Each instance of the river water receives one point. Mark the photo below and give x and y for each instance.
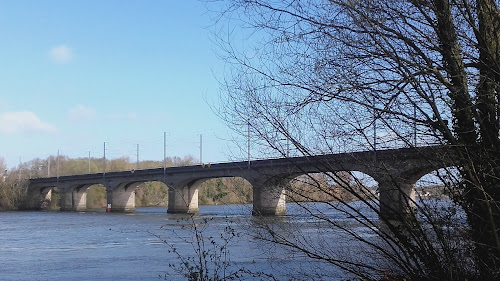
(96, 245)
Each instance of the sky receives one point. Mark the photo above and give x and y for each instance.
(77, 74)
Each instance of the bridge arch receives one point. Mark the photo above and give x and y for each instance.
(268, 192)
(445, 175)
(41, 197)
(271, 192)
(434, 199)
(397, 180)
(183, 194)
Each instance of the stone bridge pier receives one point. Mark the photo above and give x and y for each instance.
(396, 197)
(122, 196)
(74, 197)
(183, 197)
(396, 179)
(269, 196)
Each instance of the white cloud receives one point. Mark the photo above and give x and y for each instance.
(81, 113)
(61, 54)
(23, 122)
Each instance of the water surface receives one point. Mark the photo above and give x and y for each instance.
(138, 246)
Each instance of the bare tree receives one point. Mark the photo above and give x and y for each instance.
(346, 75)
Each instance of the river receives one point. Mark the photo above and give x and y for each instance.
(96, 245)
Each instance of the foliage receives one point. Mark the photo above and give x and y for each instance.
(342, 75)
(211, 259)
(96, 197)
(225, 191)
(63, 165)
(218, 191)
(12, 190)
(151, 194)
(319, 188)
(12, 194)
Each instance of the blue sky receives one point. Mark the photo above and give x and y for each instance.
(76, 74)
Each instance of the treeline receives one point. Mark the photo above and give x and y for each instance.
(64, 166)
(13, 184)
(339, 186)
(12, 189)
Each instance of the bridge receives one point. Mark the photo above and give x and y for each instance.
(395, 170)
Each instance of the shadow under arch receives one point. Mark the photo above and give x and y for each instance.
(48, 198)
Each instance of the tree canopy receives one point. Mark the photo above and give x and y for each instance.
(347, 75)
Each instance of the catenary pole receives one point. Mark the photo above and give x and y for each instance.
(201, 149)
(104, 162)
(248, 143)
(164, 154)
(137, 165)
(58, 164)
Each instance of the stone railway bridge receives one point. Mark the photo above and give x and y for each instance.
(396, 172)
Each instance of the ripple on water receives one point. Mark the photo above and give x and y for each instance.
(104, 246)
